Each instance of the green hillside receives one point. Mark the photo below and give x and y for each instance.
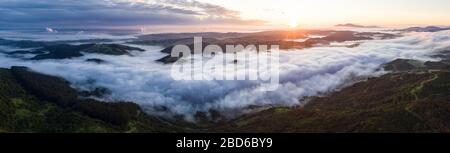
(401, 102)
(33, 102)
(413, 101)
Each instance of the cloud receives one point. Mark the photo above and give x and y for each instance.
(101, 13)
(204, 8)
(50, 30)
(308, 72)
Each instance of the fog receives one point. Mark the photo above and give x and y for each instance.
(303, 73)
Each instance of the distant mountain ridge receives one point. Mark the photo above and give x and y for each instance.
(351, 25)
(65, 51)
(425, 29)
(266, 38)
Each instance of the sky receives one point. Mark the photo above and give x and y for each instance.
(219, 14)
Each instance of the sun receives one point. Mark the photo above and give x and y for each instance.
(293, 23)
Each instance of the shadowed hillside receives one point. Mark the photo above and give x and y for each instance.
(401, 102)
(413, 99)
(33, 102)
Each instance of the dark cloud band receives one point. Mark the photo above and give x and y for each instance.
(97, 13)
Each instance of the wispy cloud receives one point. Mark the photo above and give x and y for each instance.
(98, 13)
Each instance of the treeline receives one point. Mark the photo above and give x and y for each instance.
(49, 88)
(118, 113)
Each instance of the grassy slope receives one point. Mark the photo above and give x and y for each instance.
(392, 103)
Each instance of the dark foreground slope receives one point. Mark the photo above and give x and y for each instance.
(414, 97)
(399, 102)
(33, 102)
(412, 101)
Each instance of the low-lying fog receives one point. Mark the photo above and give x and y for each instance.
(303, 73)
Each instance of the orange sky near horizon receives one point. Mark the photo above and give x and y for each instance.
(317, 13)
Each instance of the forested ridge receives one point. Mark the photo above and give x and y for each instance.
(412, 99)
(34, 102)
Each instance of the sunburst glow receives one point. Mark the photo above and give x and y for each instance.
(293, 23)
